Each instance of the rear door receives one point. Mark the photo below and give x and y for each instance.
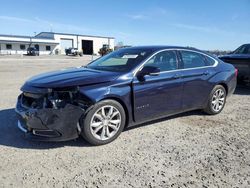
(196, 70)
(161, 94)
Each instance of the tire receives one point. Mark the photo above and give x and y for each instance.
(216, 101)
(108, 124)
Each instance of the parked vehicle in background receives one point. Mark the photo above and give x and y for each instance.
(105, 50)
(73, 51)
(32, 51)
(240, 58)
(124, 88)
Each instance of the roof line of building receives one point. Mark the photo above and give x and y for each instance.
(27, 42)
(17, 36)
(38, 37)
(74, 34)
(24, 36)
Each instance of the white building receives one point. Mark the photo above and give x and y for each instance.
(52, 43)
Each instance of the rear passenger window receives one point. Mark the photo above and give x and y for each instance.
(165, 61)
(192, 59)
(210, 61)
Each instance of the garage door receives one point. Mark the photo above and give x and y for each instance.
(87, 47)
(66, 43)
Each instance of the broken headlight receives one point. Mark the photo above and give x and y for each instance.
(59, 98)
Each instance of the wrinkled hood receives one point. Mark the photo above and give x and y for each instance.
(235, 56)
(71, 77)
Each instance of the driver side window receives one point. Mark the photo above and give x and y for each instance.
(165, 61)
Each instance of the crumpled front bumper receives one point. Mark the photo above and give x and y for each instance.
(49, 124)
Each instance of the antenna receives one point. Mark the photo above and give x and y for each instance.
(51, 25)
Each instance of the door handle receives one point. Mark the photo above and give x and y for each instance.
(206, 73)
(176, 76)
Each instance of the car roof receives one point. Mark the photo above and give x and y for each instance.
(156, 48)
(162, 47)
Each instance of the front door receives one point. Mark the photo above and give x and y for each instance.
(159, 95)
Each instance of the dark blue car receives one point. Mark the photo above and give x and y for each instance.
(240, 59)
(124, 88)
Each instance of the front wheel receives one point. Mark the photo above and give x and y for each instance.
(216, 101)
(104, 122)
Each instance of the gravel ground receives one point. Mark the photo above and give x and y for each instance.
(188, 150)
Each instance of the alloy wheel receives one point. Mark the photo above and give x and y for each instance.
(105, 122)
(218, 100)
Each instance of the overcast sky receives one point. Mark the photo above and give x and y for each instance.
(213, 24)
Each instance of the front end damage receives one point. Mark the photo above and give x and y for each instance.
(51, 116)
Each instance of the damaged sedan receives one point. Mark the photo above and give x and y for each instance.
(124, 88)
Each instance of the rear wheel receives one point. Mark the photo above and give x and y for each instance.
(104, 122)
(217, 100)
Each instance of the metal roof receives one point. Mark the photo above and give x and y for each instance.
(74, 34)
(48, 37)
(25, 36)
(25, 42)
(16, 36)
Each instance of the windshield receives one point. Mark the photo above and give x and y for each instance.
(122, 60)
(244, 49)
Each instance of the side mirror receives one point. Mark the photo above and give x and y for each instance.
(149, 70)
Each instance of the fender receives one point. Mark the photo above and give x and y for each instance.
(121, 92)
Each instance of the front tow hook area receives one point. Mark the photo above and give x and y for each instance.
(49, 124)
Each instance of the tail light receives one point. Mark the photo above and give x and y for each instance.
(236, 72)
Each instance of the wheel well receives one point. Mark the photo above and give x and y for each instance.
(225, 86)
(123, 105)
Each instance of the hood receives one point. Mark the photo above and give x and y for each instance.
(235, 56)
(70, 77)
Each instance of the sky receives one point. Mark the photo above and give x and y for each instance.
(207, 25)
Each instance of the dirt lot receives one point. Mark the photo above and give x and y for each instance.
(188, 150)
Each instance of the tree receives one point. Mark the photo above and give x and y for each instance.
(120, 44)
